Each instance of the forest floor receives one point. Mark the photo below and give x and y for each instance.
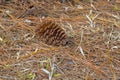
(95, 27)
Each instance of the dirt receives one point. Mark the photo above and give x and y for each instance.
(95, 27)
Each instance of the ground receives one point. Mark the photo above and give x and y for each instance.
(95, 27)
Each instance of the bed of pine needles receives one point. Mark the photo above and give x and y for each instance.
(95, 27)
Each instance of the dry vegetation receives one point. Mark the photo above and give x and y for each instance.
(95, 27)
